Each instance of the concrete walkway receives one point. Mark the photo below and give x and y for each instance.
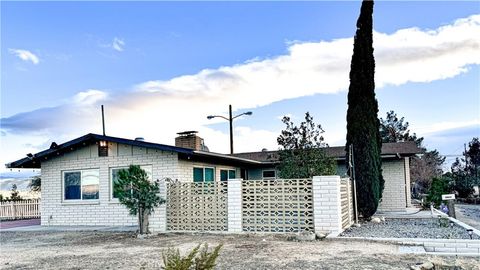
(19, 223)
(409, 213)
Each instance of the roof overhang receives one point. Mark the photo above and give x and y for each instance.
(34, 161)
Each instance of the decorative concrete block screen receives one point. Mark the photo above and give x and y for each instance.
(346, 200)
(197, 206)
(277, 205)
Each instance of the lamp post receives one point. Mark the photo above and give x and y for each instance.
(230, 120)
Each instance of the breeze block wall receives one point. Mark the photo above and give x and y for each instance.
(104, 211)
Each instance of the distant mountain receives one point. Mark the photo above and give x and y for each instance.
(19, 174)
(22, 183)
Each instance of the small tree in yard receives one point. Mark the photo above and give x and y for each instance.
(14, 196)
(302, 153)
(462, 180)
(138, 194)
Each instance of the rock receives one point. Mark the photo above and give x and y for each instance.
(426, 266)
(415, 267)
(376, 220)
(320, 236)
(142, 236)
(306, 236)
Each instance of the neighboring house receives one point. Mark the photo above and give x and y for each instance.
(78, 176)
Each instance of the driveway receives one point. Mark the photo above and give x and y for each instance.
(19, 223)
(469, 214)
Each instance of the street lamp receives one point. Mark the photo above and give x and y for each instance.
(230, 119)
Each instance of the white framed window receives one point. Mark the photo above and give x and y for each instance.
(269, 174)
(226, 174)
(114, 177)
(203, 174)
(81, 185)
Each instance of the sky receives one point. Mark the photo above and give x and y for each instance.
(161, 67)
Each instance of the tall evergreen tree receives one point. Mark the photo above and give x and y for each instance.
(362, 121)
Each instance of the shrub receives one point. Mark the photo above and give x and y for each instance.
(198, 258)
(440, 185)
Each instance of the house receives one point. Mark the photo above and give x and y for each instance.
(78, 176)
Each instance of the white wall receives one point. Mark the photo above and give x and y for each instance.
(396, 194)
(56, 211)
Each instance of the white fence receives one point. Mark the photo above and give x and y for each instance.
(346, 199)
(10, 210)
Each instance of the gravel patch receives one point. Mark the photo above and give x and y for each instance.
(408, 228)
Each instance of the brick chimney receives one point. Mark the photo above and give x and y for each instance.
(189, 139)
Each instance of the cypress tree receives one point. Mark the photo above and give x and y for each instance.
(362, 121)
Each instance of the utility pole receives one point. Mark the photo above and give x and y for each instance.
(103, 122)
(230, 119)
(231, 127)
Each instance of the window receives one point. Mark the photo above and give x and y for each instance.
(203, 174)
(227, 174)
(268, 174)
(114, 176)
(81, 185)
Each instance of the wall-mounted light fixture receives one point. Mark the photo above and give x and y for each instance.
(103, 149)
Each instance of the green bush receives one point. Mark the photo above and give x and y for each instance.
(198, 258)
(440, 186)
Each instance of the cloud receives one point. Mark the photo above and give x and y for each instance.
(157, 109)
(118, 44)
(25, 55)
(78, 111)
(442, 127)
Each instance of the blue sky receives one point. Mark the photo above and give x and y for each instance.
(161, 67)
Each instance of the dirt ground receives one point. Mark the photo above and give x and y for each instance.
(109, 250)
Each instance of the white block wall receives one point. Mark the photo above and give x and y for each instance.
(396, 194)
(158, 219)
(234, 206)
(105, 211)
(327, 210)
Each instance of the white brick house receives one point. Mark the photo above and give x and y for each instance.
(78, 176)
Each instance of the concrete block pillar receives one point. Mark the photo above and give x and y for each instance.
(327, 209)
(234, 205)
(158, 219)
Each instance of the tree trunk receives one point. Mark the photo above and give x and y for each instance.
(146, 213)
(140, 220)
(143, 220)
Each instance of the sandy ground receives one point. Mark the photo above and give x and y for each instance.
(468, 213)
(110, 250)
